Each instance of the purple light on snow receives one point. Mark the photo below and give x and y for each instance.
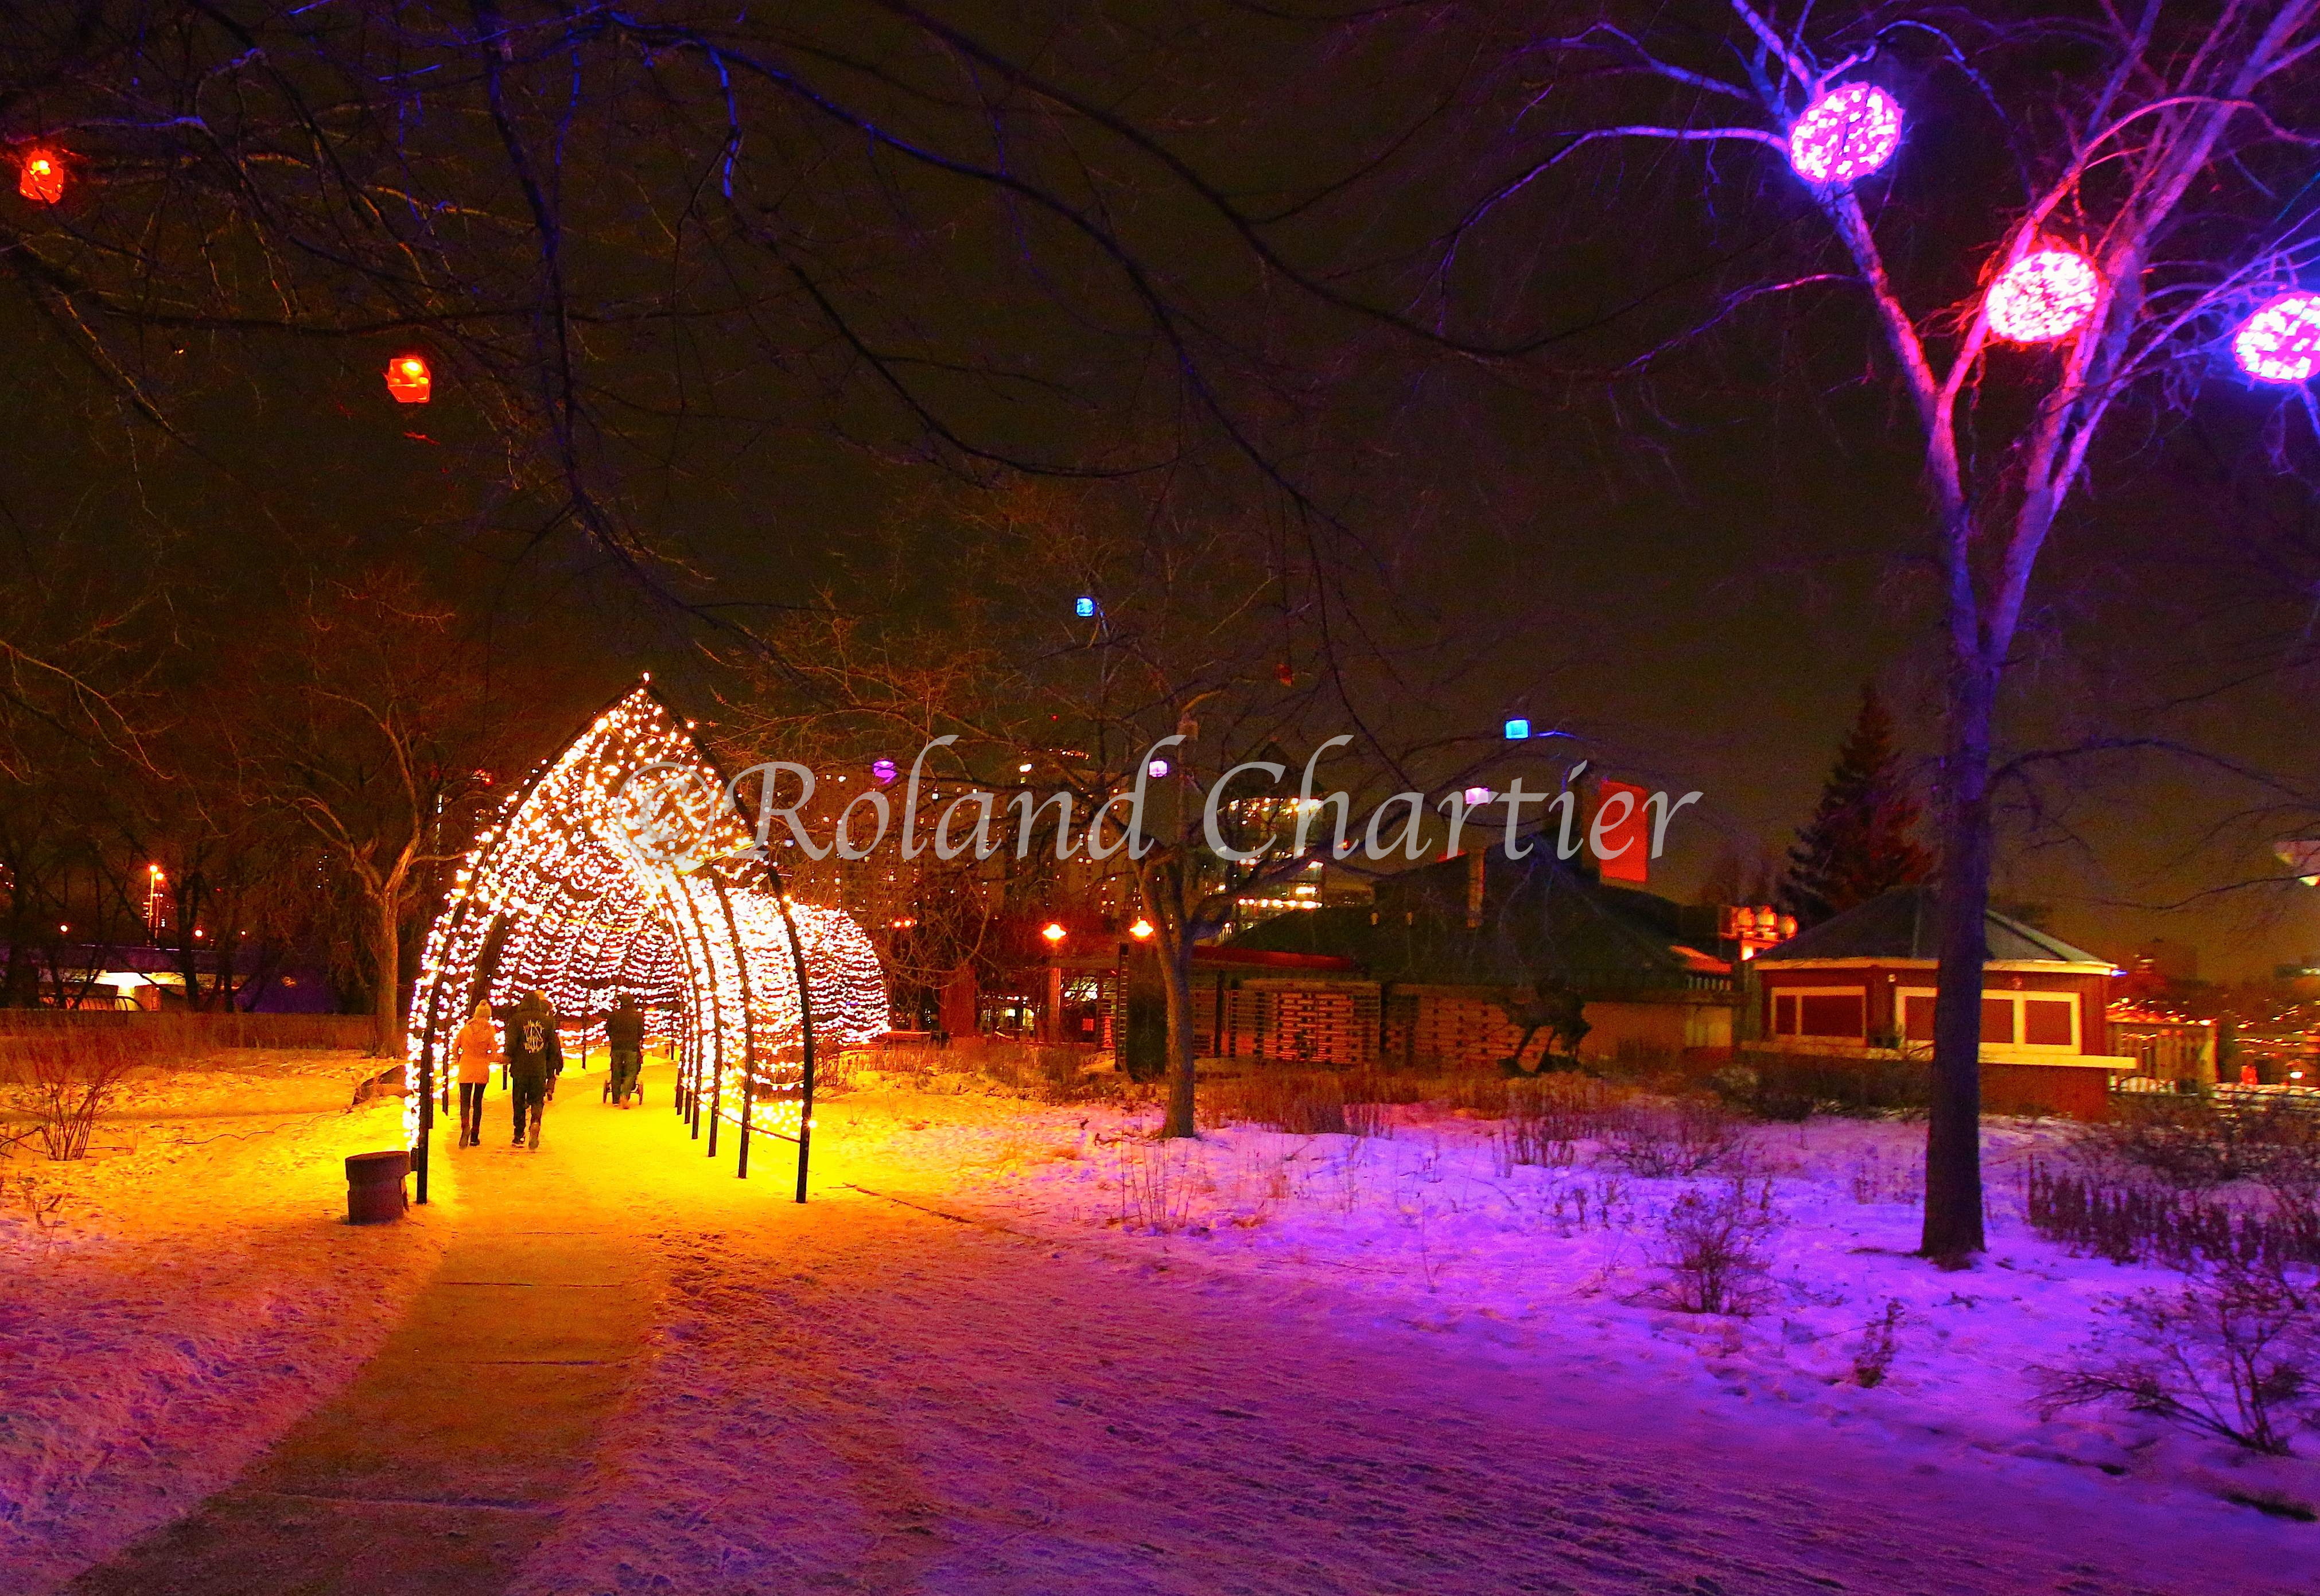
(1844, 135)
(2280, 343)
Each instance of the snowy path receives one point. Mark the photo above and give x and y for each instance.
(864, 1396)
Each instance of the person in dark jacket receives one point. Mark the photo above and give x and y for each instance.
(624, 1035)
(534, 1059)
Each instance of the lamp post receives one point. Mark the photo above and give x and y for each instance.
(1051, 1019)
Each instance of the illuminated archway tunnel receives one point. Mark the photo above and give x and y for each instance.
(623, 866)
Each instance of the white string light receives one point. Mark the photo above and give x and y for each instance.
(581, 909)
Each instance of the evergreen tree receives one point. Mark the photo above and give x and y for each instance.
(1863, 839)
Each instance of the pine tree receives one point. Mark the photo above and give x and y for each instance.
(1862, 840)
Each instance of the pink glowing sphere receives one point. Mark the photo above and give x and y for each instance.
(1845, 134)
(2280, 343)
(2044, 295)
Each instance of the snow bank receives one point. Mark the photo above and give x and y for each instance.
(174, 1302)
(1434, 1223)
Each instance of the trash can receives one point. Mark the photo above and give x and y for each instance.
(375, 1187)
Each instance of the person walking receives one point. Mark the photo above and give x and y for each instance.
(534, 1058)
(624, 1035)
(478, 1045)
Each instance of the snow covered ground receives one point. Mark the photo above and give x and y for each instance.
(1254, 1363)
(1432, 1224)
(173, 1301)
(1283, 1388)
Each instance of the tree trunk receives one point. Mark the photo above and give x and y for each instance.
(1952, 1227)
(1176, 981)
(386, 960)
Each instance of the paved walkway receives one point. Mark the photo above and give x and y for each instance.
(441, 1467)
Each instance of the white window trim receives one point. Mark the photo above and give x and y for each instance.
(1997, 1049)
(1861, 992)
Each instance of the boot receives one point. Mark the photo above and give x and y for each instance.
(535, 1134)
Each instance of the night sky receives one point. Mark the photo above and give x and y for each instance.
(1695, 571)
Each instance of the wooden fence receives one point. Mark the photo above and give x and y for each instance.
(182, 1033)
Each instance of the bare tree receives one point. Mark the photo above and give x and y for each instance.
(620, 236)
(2170, 146)
(1118, 651)
(367, 722)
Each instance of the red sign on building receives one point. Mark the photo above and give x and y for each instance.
(1620, 837)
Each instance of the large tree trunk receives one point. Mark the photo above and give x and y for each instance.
(387, 963)
(1176, 981)
(1953, 1227)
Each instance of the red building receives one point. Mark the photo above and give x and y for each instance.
(1862, 985)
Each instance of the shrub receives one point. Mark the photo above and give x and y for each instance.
(2200, 1142)
(1712, 1246)
(1880, 1343)
(2230, 1356)
(1689, 1137)
(63, 1080)
(2127, 1217)
(1789, 1087)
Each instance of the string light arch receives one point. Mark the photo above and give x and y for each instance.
(624, 865)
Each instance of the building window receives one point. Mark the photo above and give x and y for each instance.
(2048, 1020)
(1834, 1012)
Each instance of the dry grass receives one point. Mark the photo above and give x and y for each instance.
(1546, 1119)
(1301, 1102)
(161, 1037)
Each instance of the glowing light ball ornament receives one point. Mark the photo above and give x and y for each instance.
(1845, 135)
(2047, 294)
(41, 179)
(409, 380)
(2280, 343)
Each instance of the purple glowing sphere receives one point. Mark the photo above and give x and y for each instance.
(1844, 135)
(2280, 343)
(2045, 295)
(882, 769)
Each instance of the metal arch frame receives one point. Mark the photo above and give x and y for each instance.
(804, 1137)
